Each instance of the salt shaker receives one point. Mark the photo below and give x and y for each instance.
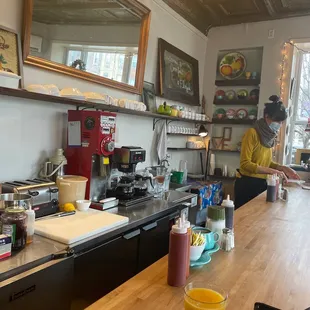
(226, 240)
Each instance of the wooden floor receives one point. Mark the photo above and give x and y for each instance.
(270, 264)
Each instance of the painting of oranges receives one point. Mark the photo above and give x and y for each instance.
(232, 66)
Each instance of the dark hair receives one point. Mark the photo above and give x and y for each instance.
(275, 109)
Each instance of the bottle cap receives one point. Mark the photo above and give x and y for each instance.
(185, 222)
(179, 228)
(227, 202)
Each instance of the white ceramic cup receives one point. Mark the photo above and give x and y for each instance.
(83, 205)
(196, 252)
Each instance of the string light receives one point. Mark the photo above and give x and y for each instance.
(283, 66)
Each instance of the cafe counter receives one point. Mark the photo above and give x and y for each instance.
(270, 263)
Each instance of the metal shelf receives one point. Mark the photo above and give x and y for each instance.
(233, 121)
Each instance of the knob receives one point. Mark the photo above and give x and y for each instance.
(109, 147)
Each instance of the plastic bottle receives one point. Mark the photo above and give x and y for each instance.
(277, 187)
(187, 225)
(178, 253)
(229, 212)
(271, 188)
(183, 168)
(30, 225)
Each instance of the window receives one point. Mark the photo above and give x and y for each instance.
(119, 64)
(72, 56)
(301, 114)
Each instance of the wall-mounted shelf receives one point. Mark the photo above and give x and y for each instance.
(233, 121)
(182, 134)
(184, 149)
(19, 93)
(230, 151)
(241, 82)
(235, 102)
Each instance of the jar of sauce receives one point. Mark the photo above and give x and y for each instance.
(14, 224)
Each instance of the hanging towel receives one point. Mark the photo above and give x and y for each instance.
(162, 142)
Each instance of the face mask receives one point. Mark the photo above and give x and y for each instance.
(275, 127)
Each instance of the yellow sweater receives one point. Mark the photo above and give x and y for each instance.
(254, 154)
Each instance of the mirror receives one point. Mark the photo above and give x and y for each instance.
(104, 41)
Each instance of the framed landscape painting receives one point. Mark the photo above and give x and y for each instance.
(178, 74)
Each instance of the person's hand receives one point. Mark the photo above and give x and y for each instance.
(279, 173)
(290, 173)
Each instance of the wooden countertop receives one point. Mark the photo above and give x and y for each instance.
(270, 263)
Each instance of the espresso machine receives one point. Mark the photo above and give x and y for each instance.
(91, 140)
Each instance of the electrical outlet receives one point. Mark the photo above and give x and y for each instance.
(271, 34)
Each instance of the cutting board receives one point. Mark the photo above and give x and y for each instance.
(74, 228)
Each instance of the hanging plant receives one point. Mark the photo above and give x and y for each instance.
(79, 64)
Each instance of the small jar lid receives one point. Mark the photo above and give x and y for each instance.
(226, 231)
(216, 213)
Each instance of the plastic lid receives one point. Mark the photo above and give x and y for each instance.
(227, 202)
(72, 178)
(216, 213)
(179, 228)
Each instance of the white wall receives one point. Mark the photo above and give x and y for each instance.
(30, 131)
(247, 36)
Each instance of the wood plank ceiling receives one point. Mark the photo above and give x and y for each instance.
(204, 14)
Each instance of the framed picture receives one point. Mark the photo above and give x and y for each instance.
(10, 52)
(178, 74)
(149, 97)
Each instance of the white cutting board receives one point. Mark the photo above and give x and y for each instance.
(73, 228)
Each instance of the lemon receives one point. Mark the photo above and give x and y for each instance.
(236, 65)
(67, 207)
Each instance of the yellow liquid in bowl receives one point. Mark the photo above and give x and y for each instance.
(202, 299)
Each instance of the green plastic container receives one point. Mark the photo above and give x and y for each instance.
(177, 177)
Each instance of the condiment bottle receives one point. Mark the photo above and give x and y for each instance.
(271, 188)
(216, 219)
(14, 225)
(187, 225)
(30, 225)
(178, 253)
(277, 187)
(229, 212)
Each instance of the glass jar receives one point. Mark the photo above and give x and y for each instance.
(14, 224)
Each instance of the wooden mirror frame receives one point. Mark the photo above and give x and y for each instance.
(54, 66)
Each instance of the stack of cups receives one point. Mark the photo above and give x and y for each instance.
(212, 164)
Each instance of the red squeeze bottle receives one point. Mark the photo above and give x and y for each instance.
(178, 253)
(189, 234)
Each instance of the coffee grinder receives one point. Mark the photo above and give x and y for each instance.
(91, 138)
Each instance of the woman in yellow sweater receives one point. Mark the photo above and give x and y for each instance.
(256, 154)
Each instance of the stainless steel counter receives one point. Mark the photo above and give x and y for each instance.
(38, 252)
(42, 249)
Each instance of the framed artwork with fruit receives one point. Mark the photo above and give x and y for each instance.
(178, 74)
(232, 66)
